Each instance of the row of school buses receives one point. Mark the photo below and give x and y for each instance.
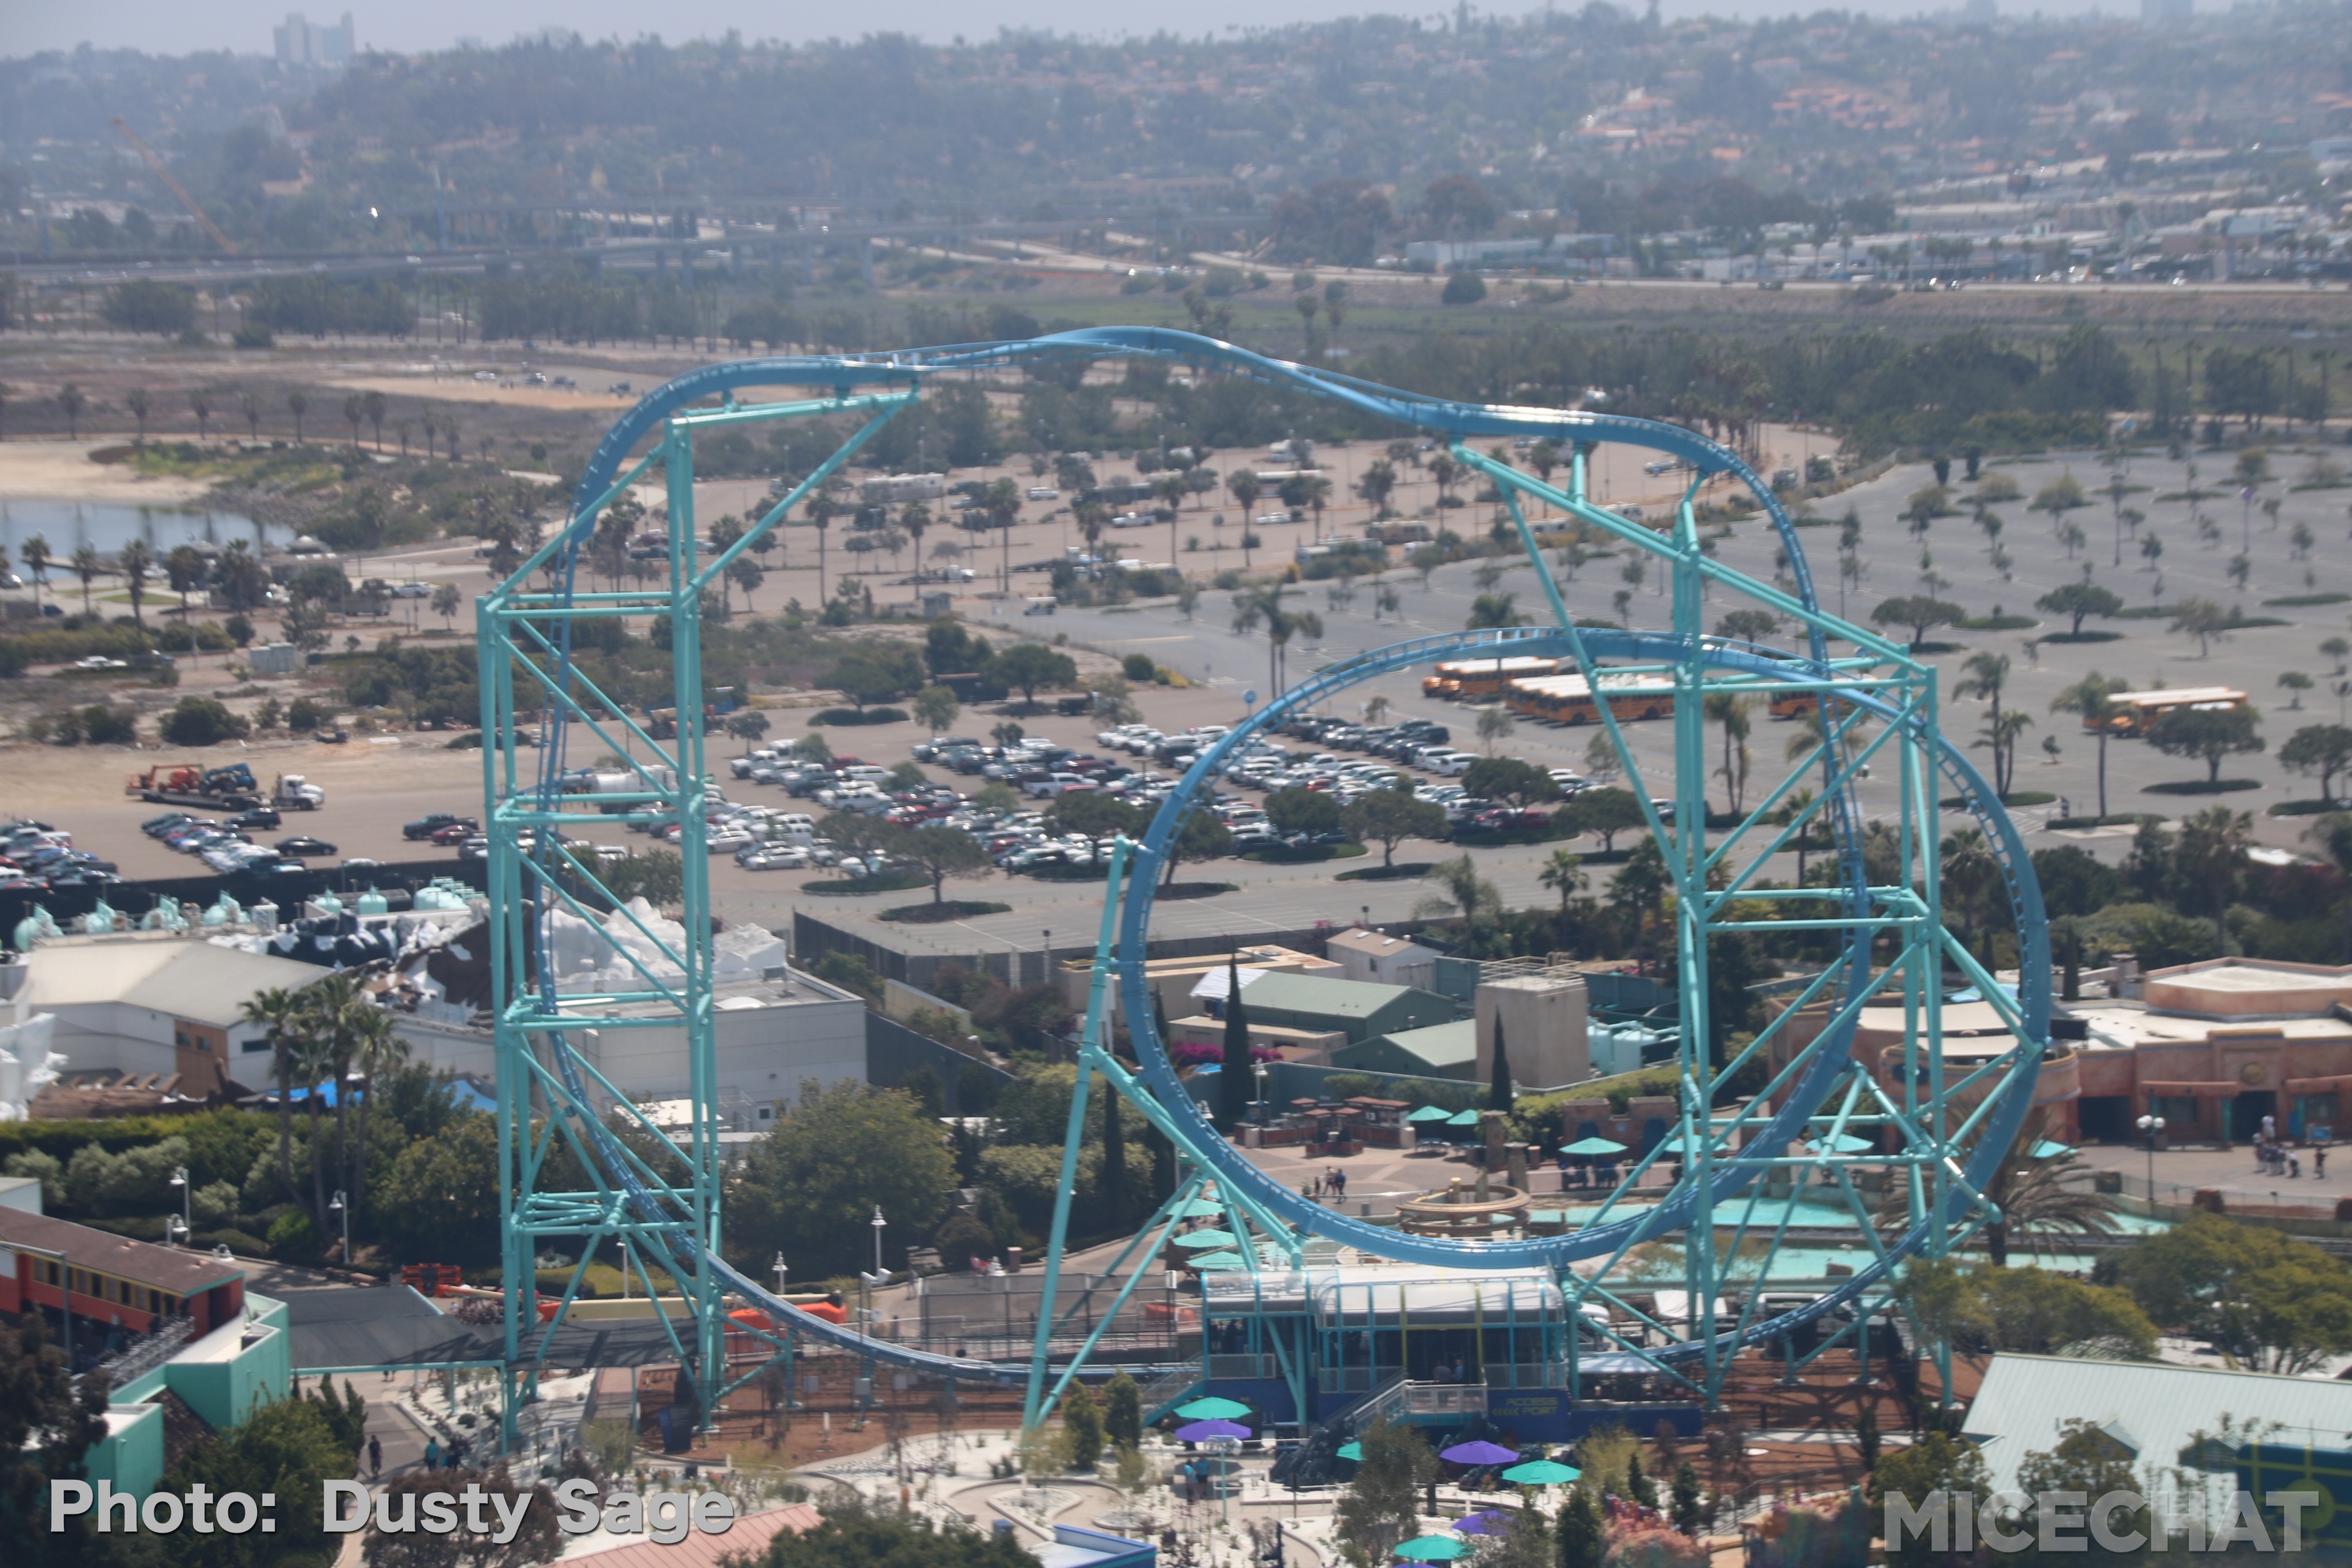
(1539, 688)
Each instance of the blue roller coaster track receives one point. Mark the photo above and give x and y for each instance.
(1943, 1134)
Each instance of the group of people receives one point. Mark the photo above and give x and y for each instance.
(435, 1456)
(1332, 1183)
(2275, 1159)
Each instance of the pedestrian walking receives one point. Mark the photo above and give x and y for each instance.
(375, 1456)
(432, 1453)
(2319, 1163)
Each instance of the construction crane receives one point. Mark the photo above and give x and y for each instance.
(155, 162)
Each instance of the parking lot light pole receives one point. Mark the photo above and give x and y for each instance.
(2151, 1127)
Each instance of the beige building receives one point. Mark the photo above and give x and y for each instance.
(1544, 1022)
(1366, 954)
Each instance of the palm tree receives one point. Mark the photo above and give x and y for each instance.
(1970, 873)
(274, 1011)
(916, 518)
(250, 407)
(184, 568)
(1466, 895)
(1244, 483)
(2093, 697)
(354, 412)
(2032, 1196)
(1730, 711)
(822, 509)
(376, 408)
(72, 400)
(297, 404)
(2212, 850)
(136, 562)
(377, 1047)
(200, 404)
(35, 553)
(1987, 674)
(1263, 606)
(86, 565)
(1564, 874)
(141, 404)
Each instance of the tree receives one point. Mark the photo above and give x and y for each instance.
(1489, 611)
(1202, 837)
(87, 564)
(1936, 1462)
(1388, 816)
(136, 563)
(2093, 697)
(1297, 809)
(202, 722)
(1236, 1069)
(1082, 1427)
(1032, 666)
(853, 1531)
(537, 1539)
(1122, 1407)
(937, 707)
(2211, 856)
(2078, 602)
(1494, 726)
(943, 852)
(354, 413)
(35, 553)
(1919, 612)
(812, 1184)
(2063, 494)
(290, 1448)
(1730, 709)
(2321, 749)
(200, 404)
(47, 1428)
(1581, 1541)
(1498, 1086)
(2210, 734)
(1564, 874)
(2087, 1461)
(374, 406)
(1604, 812)
(875, 672)
(1263, 606)
(747, 725)
(140, 403)
(656, 875)
(2202, 619)
(1379, 1506)
(2270, 1299)
(447, 601)
(1513, 782)
(1689, 1511)
(71, 402)
(185, 569)
(443, 1193)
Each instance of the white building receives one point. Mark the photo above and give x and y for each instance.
(1366, 954)
(300, 43)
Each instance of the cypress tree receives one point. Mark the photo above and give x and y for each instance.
(1114, 1157)
(1579, 1531)
(1499, 1097)
(1233, 1076)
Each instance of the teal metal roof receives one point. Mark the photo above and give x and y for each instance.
(2153, 1407)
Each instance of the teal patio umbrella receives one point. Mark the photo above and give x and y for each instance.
(1218, 1262)
(1194, 1238)
(1213, 1408)
(1352, 1452)
(1430, 1113)
(1434, 1549)
(1542, 1473)
(1592, 1146)
(1460, 1119)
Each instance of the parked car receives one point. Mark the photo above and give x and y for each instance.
(426, 825)
(303, 844)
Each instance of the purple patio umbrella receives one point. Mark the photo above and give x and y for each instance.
(1479, 1453)
(1206, 1431)
(1485, 1522)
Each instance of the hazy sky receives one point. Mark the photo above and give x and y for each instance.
(176, 27)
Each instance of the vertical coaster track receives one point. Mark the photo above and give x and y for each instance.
(658, 1190)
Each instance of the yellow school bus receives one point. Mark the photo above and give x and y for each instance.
(2131, 712)
(1480, 678)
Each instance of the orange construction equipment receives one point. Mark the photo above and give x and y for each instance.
(156, 165)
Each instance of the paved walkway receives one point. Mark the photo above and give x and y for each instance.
(2180, 1173)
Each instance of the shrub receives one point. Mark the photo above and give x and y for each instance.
(252, 335)
(303, 714)
(292, 1235)
(202, 722)
(1464, 289)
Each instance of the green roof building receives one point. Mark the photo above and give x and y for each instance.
(1356, 1008)
(1438, 1050)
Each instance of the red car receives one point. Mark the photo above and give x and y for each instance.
(453, 833)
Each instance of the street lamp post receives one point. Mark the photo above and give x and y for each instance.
(2151, 1127)
(337, 1205)
(780, 1273)
(187, 1201)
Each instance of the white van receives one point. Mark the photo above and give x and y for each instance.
(863, 773)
